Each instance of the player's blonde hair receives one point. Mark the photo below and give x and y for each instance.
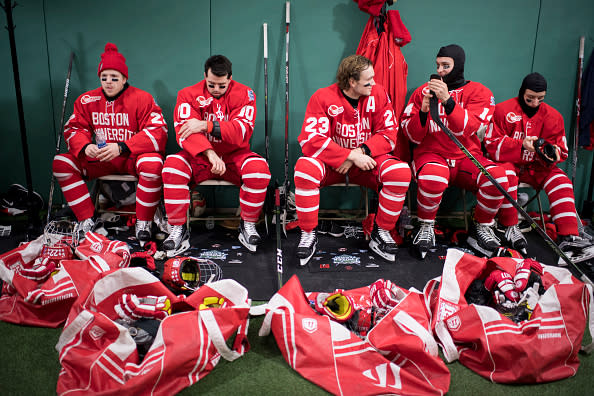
(351, 67)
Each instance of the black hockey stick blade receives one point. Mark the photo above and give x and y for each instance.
(433, 110)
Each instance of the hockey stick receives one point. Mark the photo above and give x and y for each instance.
(279, 250)
(266, 137)
(285, 187)
(578, 99)
(53, 182)
(433, 110)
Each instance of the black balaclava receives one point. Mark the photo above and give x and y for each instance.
(455, 78)
(536, 83)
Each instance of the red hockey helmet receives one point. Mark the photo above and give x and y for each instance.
(187, 273)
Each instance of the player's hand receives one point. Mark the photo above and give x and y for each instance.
(440, 88)
(192, 126)
(109, 152)
(218, 166)
(528, 143)
(361, 161)
(92, 151)
(425, 104)
(344, 168)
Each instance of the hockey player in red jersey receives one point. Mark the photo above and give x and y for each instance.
(465, 107)
(214, 122)
(130, 137)
(528, 137)
(349, 133)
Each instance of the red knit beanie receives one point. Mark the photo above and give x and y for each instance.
(112, 59)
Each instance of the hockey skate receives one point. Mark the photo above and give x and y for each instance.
(567, 242)
(307, 246)
(143, 231)
(425, 238)
(382, 243)
(514, 239)
(178, 240)
(483, 239)
(248, 235)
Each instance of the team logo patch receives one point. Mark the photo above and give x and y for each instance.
(425, 91)
(334, 110)
(492, 100)
(97, 247)
(346, 259)
(96, 332)
(203, 102)
(309, 324)
(251, 95)
(454, 323)
(511, 117)
(88, 99)
(446, 309)
(213, 255)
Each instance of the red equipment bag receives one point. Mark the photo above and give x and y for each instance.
(99, 354)
(326, 353)
(45, 301)
(540, 349)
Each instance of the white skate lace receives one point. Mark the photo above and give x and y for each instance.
(513, 234)
(176, 233)
(385, 236)
(250, 228)
(425, 233)
(485, 234)
(142, 225)
(307, 238)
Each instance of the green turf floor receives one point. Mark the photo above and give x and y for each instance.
(29, 366)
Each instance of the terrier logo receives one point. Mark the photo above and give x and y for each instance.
(511, 117)
(334, 110)
(203, 101)
(88, 99)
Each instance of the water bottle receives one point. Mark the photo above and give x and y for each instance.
(210, 223)
(100, 138)
(404, 222)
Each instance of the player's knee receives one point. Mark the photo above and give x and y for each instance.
(433, 178)
(500, 177)
(176, 170)
(308, 173)
(255, 173)
(395, 176)
(63, 166)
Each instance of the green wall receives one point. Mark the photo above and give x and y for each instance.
(166, 44)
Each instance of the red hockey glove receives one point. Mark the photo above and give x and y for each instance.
(143, 259)
(384, 294)
(523, 270)
(335, 305)
(40, 271)
(131, 308)
(502, 281)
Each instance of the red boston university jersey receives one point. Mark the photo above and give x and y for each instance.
(235, 111)
(474, 108)
(510, 126)
(332, 127)
(133, 117)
